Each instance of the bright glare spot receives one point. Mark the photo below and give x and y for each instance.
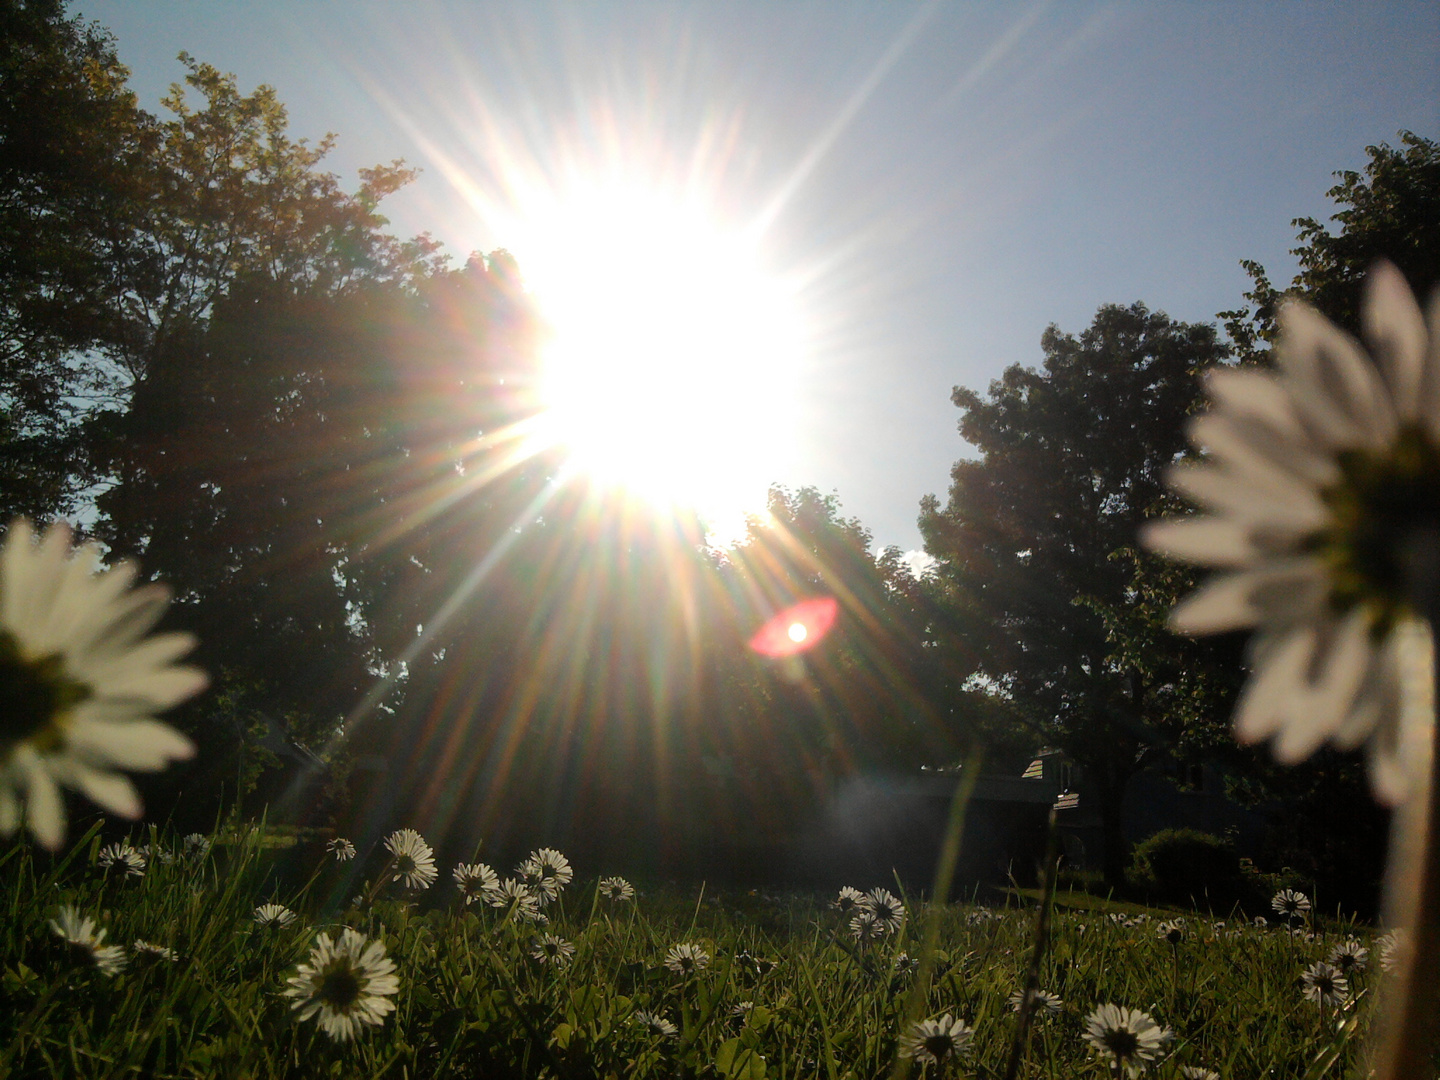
(672, 365)
(797, 631)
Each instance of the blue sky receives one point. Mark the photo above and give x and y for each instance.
(947, 179)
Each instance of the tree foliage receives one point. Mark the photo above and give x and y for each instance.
(1032, 543)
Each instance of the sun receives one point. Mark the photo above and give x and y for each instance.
(673, 352)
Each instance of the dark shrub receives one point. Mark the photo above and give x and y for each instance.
(1186, 866)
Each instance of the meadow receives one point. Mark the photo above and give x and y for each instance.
(198, 963)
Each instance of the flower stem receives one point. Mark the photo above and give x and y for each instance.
(1413, 874)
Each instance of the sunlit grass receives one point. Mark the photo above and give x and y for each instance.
(473, 1001)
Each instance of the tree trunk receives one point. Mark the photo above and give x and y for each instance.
(1111, 791)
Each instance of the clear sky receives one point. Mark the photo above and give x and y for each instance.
(940, 181)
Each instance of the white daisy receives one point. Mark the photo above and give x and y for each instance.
(474, 880)
(1350, 956)
(687, 959)
(848, 901)
(197, 844)
(656, 1024)
(512, 893)
(865, 927)
(1259, 922)
(86, 943)
(616, 888)
(348, 982)
(1324, 984)
(1322, 475)
(934, 1042)
(1195, 1072)
(1392, 946)
(121, 859)
(342, 849)
(276, 915)
(889, 912)
(905, 964)
(553, 865)
(1129, 1038)
(146, 953)
(81, 681)
(1290, 903)
(1172, 932)
(550, 949)
(412, 861)
(1044, 1004)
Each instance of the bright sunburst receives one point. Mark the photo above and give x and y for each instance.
(672, 364)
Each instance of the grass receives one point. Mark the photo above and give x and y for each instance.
(473, 1002)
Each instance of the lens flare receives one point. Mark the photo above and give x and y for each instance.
(797, 628)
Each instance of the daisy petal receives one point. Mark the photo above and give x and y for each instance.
(1395, 330)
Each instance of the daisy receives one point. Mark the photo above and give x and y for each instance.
(1391, 946)
(1044, 1004)
(1321, 475)
(197, 844)
(550, 949)
(656, 1024)
(348, 982)
(86, 943)
(1172, 933)
(1324, 984)
(848, 901)
(474, 880)
(81, 681)
(342, 849)
(146, 953)
(276, 915)
(1350, 956)
(512, 893)
(741, 1010)
(1291, 904)
(121, 860)
(412, 861)
(886, 908)
(1259, 922)
(687, 959)
(934, 1042)
(553, 866)
(866, 927)
(1195, 1072)
(1129, 1038)
(905, 964)
(616, 888)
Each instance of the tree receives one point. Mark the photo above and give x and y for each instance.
(1392, 212)
(73, 154)
(1030, 543)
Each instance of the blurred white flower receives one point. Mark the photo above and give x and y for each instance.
(1392, 946)
(81, 681)
(1171, 932)
(656, 1024)
(474, 880)
(1045, 1004)
(86, 943)
(616, 888)
(549, 949)
(277, 915)
(1195, 1072)
(1324, 984)
(1323, 480)
(905, 964)
(348, 982)
(687, 959)
(935, 1042)
(197, 844)
(342, 849)
(1131, 1039)
(412, 860)
(121, 859)
(146, 953)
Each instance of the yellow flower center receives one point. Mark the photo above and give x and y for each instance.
(1382, 506)
(37, 694)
